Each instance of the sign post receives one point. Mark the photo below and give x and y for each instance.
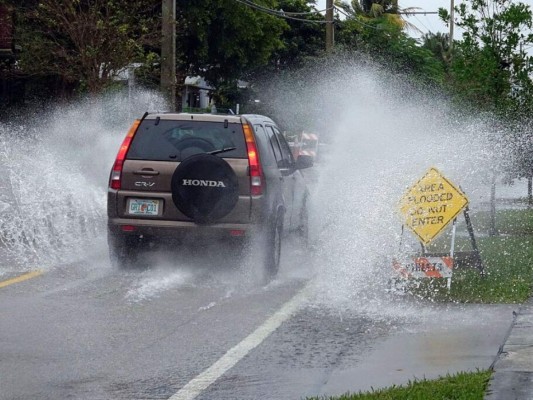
(427, 208)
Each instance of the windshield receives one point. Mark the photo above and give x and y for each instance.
(169, 140)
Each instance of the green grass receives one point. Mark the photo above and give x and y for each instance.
(507, 258)
(508, 266)
(462, 386)
(508, 222)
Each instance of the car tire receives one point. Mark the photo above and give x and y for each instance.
(274, 232)
(123, 250)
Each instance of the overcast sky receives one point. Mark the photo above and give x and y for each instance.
(425, 23)
(430, 22)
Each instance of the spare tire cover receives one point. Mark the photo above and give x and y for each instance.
(205, 188)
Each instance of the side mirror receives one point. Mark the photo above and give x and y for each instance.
(304, 161)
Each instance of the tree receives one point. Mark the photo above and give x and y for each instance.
(439, 44)
(491, 67)
(376, 29)
(304, 39)
(491, 70)
(225, 40)
(85, 42)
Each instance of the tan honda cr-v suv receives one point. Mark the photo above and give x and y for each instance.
(205, 177)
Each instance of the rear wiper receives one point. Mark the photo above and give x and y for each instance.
(221, 150)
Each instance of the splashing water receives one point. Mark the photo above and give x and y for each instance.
(152, 285)
(382, 136)
(54, 167)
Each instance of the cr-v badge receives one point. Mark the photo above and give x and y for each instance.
(144, 184)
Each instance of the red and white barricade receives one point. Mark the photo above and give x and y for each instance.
(424, 267)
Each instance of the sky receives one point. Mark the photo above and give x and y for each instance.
(430, 22)
(425, 23)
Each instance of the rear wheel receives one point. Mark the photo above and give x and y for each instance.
(123, 250)
(273, 249)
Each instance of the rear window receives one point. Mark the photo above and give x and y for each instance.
(167, 140)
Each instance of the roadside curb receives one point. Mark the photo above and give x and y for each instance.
(513, 368)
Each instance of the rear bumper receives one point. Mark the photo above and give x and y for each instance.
(177, 229)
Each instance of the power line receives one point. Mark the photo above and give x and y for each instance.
(417, 12)
(358, 20)
(342, 11)
(424, 25)
(282, 14)
(279, 13)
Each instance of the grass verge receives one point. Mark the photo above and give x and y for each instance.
(507, 259)
(461, 386)
(507, 222)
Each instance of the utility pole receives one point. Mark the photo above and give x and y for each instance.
(168, 52)
(452, 11)
(329, 26)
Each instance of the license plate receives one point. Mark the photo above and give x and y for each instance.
(143, 207)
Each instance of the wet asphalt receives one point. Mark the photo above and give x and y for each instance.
(88, 331)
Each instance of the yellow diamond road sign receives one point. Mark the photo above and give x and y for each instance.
(431, 204)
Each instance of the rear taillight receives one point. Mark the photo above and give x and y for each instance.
(116, 172)
(256, 173)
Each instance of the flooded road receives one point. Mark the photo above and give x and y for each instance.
(88, 331)
(191, 325)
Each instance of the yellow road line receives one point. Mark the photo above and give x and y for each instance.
(21, 278)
